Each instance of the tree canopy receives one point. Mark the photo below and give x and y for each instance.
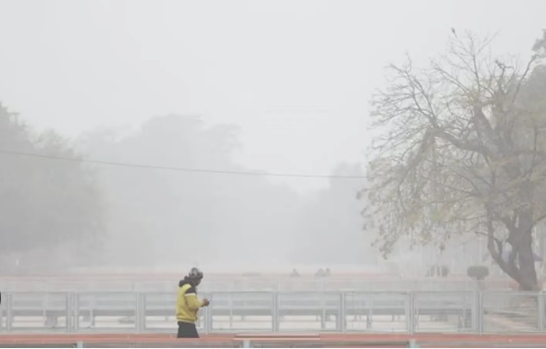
(462, 150)
(45, 203)
(175, 217)
(182, 217)
(330, 219)
(71, 213)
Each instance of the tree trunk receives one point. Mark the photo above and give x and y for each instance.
(520, 265)
(523, 241)
(526, 261)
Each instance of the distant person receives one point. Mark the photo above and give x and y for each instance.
(188, 305)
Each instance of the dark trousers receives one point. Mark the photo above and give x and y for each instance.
(186, 330)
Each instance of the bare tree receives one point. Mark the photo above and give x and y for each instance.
(462, 150)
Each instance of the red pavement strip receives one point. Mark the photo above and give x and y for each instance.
(165, 339)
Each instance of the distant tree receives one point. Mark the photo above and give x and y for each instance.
(330, 225)
(44, 202)
(462, 150)
(187, 216)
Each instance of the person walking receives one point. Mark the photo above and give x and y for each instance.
(188, 305)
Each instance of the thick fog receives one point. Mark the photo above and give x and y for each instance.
(218, 133)
(170, 216)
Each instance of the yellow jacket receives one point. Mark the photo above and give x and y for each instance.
(187, 303)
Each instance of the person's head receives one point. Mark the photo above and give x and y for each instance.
(195, 276)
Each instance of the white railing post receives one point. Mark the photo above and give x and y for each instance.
(410, 313)
(208, 314)
(481, 312)
(540, 311)
(70, 316)
(342, 314)
(275, 312)
(9, 311)
(475, 311)
(140, 313)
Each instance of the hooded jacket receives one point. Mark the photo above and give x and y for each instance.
(187, 303)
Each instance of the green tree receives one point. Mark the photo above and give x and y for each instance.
(44, 202)
(462, 150)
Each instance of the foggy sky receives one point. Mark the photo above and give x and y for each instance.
(295, 75)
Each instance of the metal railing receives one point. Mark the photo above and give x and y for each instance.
(343, 312)
(328, 284)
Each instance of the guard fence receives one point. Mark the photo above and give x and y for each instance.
(244, 284)
(247, 312)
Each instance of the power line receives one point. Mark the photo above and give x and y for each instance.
(179, 169)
